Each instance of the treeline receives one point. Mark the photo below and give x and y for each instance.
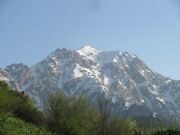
(75, 116)
(67, 115)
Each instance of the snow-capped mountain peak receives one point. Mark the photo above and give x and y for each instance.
(121, 76)
(88, 51)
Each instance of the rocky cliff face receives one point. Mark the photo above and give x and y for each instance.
(132, 87)
(4, 76)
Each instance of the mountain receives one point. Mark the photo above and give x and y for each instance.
(4, 76)
(133, 88)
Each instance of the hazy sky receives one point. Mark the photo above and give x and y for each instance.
(31, 29)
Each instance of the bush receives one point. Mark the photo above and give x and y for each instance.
(68, 115)
(26, 111)
(74, 116)
(14, 126)
(167, 132)
(110, 124)
(18, 105)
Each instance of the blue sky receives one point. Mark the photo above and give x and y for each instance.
(31, 29)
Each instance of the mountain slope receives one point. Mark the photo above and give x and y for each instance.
(14, 126)
(5, 76)
(132, 87)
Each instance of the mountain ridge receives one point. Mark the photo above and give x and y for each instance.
(124, 78)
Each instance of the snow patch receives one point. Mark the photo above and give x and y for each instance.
(126, 65)
(142, 100)
(168, 81)
(160, 99)
(134, 56)
(154, 92)
(120, 83)
(77, 72)
(106, 81)
(4, 79)
(89, 52)
(127, 104)
(154, 114)
(154, 86)
(115, 60)
(142, 72)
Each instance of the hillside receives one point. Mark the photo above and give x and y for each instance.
(69, 116)
(17, 112)
(14, 126)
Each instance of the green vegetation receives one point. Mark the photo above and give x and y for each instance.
(14, 126)
(18, 115)
(75, 116)
(66, 115)
(19, 105)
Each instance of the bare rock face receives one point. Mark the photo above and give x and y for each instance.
(132, 87)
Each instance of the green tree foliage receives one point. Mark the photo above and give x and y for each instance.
(18, 105)
(74, 116)
(110, 124)
(68, 115)
(167, 132)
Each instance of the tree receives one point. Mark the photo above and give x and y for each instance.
(104, 115)
(18, 105)
(109, 123)
(68, 115)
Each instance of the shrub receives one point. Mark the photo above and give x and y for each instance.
(167, 132)
(18, 105)
(68, 115)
